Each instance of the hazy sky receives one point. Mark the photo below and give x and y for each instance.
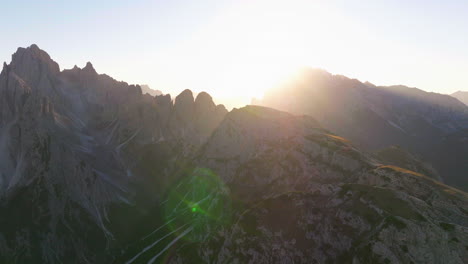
(240, 48)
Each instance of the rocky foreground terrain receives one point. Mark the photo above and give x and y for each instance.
(94, 171)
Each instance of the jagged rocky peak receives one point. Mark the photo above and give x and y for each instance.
(204, 98)
(184, 105)
(185, 97)
(89, 68)
(204, 103)
(78, 74)
(31, 63)
(194, 119)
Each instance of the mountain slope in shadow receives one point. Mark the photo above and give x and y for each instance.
(376, 117)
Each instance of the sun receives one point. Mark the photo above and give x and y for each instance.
(245, 50)
(253, 77)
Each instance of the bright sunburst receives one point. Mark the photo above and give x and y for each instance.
(246, 50)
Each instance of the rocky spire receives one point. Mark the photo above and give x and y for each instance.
(4, 69)
(184, 105)
(32, 63)
(184, 97)
(204, 104)
(33, 54)
(204, 98)
(89, 68)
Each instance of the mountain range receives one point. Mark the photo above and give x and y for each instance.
(93, 170)
(432, 126)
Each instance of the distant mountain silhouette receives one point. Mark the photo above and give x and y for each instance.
(374, 117)
(145, 89)
(462, 96)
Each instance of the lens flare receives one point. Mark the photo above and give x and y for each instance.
(201, 201)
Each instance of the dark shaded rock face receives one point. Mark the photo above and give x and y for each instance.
(96, 171)
(33, 64)
(69, 143)
(377, 117)
(184, 107)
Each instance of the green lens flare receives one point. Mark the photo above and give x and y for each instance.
(200, 200)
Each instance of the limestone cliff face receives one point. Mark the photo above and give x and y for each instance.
(70, 141)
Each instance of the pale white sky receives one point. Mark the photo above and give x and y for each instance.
(237, 49)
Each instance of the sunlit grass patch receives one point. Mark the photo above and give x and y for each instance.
(398, 169)
(338, 138)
